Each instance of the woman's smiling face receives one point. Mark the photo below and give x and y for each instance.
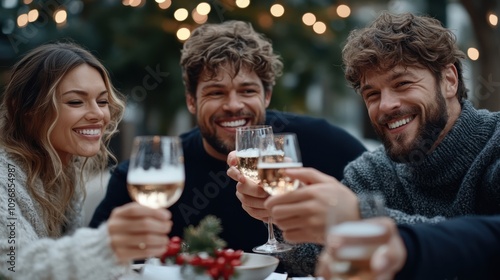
(83, 113)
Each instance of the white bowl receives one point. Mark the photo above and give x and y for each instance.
(255, 267)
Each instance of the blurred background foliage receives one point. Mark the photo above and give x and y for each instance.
(136, 40)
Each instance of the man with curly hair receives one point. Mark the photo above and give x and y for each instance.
(229, 71)
(441, 156)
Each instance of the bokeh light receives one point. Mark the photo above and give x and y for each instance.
(183, 33)
(319, 27)
(473, 53)
(60, 16)
(203, 8)
(343, 11)
(493, 19)
(309, 19)
(181, 14)
(242, 3)
(277, 10)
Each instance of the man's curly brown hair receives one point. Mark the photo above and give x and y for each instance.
(402, 39)
(232, 43)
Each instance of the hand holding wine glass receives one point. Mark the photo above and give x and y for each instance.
(156, 173)
(358, 239)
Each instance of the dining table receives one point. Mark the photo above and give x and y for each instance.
(157, 272)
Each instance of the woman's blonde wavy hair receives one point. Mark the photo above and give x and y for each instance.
(28, 114)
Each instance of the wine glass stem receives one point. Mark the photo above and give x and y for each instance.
(271, 239)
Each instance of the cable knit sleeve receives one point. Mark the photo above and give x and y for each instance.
(84, 255)
(26, 252)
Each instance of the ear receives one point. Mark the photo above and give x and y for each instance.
(450, 81)
(191, 103)
(267, 97)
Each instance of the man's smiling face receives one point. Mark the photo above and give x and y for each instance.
(225, 103)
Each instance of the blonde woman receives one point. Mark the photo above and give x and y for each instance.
(58, 113)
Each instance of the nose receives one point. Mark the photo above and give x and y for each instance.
(94, 113)
(389, 101)
(233, 102)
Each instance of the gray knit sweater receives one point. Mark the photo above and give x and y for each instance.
(460, 177)
(25, 250)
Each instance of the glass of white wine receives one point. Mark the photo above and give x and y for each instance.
(156, 172)
(276, 154)
(247, 148)
(360, 240)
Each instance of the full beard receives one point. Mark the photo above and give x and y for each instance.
(426, 137)
(220, 144)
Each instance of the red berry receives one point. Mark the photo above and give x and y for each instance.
(173, 249)
(175, 239)
(235, 262)
(179, 260)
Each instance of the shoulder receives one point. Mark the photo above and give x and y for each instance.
(291, 122)
(375, 160)
(8, 165)
(191, 140)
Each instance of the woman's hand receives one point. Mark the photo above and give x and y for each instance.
(138, 232)
(251, 195)
(302, 214)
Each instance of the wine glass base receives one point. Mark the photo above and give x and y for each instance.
(272, 248)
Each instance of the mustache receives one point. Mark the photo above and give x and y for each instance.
(385, 118)
(226, 115)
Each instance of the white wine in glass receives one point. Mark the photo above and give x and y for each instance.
(361, 240)
(247, 148)
(275, 155)
(156, 171)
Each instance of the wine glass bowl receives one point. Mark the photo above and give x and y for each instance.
(276, 155)
(247, 148)
(156, 171)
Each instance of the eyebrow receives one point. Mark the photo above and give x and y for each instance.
(81, 92)
(220, 85)
(394, 76)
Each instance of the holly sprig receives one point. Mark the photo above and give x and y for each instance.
(204, 250)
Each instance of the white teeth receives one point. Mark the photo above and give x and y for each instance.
(89, 131)
(399, 123)
(233, 123)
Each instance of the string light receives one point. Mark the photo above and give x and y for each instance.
(33, 15)
(60, 16)
(181, 14)
(22, 20)
(198, 18)
(242, 3)
(473, 53)
(309, 19)
(493, 19)
(165, 4)
(277, 10)
(203, 8)
(343, 11)
(319, 27)
(183, 33)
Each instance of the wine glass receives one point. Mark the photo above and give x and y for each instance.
(276, 154)
(360, 238)
(247, 148)
(156, 172)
